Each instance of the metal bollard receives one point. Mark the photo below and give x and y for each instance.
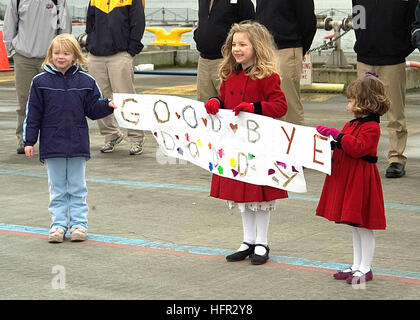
(82, 39)
(337, 58)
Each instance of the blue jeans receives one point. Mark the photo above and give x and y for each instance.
(68, 191)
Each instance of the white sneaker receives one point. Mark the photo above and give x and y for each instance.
(78, 234)
(56, 235)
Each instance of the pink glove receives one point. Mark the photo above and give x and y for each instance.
(243, 106)
(212, 106)
(328, 131)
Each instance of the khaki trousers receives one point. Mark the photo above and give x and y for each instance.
(25, 70)
(394, 79)
(208, 81)
(114, 74)
(290, 70)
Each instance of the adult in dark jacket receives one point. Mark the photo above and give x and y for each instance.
(114, 31)
(215, 18)
(415, 33)
(293, 25)
(383, 41)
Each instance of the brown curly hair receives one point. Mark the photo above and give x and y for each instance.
(369, 95)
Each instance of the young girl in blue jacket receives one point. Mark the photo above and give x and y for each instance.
(59, 101)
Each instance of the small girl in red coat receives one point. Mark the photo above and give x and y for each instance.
(352, 194)
(249, 83)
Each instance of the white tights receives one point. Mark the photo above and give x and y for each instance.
(255, 226)
(363, 249)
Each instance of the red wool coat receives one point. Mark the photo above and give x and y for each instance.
(352, 194)
(268, 100)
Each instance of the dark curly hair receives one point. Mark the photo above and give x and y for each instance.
(369, 95)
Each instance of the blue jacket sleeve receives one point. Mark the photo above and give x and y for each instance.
(90, 18)
(34, 115)
(96, 107)
(137, 26)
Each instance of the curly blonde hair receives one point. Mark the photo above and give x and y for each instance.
(67, 42)
(265, 59)
(369, 95)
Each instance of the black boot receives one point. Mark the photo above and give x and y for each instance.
(241, 255)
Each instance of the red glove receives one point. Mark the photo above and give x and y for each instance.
(212, 106)
(328, 131)
(243, 106)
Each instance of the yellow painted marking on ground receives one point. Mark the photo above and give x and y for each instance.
(317, 97)
(189, 90)
(7, 79)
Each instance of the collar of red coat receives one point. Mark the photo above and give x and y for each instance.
(371, 117)
(238, 68)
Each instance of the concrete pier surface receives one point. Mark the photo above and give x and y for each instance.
(155, 234)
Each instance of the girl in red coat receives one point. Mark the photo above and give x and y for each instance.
(352, 194)
(249, 84)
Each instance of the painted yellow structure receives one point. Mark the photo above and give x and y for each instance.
(172, 38)
(331, 87)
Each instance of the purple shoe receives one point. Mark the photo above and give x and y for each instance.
(360, 279)
(340, 275)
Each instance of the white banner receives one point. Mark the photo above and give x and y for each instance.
(249, 147)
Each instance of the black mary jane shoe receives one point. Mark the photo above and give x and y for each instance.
(257, 259)
(241, 255)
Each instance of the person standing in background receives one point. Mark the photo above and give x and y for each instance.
(29, 27)
(215, 18)
(293, 25)
(415, 34)
(383, 41)
(114, 31)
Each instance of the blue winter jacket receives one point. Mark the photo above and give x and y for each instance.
(57, 108)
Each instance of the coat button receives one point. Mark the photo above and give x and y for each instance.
(231, 92)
